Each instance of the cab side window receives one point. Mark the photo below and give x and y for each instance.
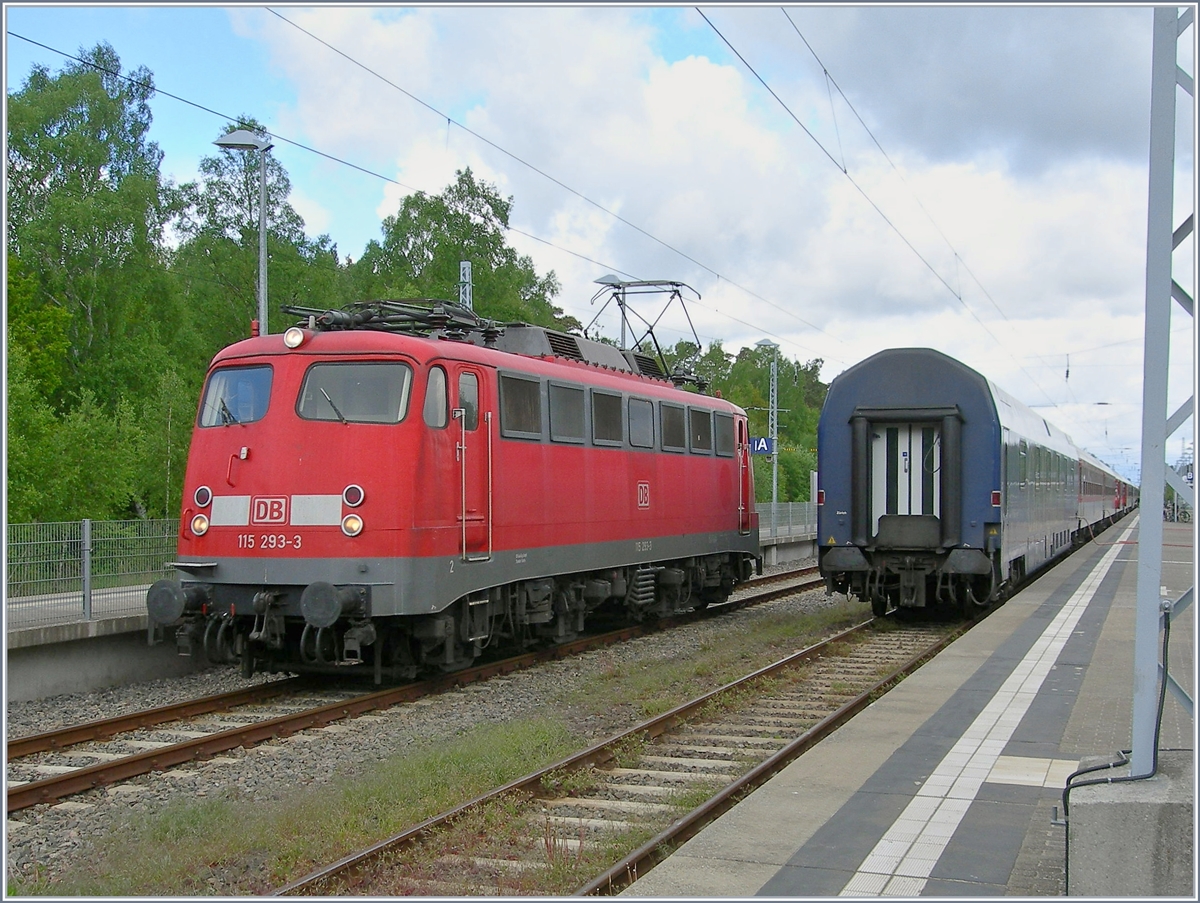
(468, 399)
(435, 398)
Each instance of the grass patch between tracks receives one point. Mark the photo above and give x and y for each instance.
(649, 688)
(222, 846)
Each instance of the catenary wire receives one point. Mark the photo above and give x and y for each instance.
(869, 200)
(545, 175)
(393, 181)
(958, 260)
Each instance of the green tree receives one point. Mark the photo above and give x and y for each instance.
(31, 427)
(86, 212)
(426, 239)
(38, 328)
(217, 261)
(746, 382)
(83, 463)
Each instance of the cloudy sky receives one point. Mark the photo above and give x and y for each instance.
(972, 179)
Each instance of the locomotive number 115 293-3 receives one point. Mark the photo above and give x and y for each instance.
(268, 541)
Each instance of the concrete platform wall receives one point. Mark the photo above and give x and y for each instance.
(91, 655)
(1134, 839)
(86, 664)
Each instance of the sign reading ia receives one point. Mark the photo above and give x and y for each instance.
(762, 445)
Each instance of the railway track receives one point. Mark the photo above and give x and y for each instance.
(607, 814)
(123, 747)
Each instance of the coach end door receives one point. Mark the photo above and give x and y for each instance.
(906, 460)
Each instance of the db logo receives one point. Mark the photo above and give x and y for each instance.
(267, 510)
(643, 490)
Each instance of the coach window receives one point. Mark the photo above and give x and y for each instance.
(435, 399)
(606, 419)
(468, 399)
(723, 428)
(674, 430)
(236, 395)
(366, 392)
(1023, 467)
(641, 423)
(700, 431)
(566, 413)
(520, 407)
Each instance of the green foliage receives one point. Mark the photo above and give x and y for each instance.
(86, 215)
(111, 330)
(218, 258)
(70, 466)
(39, 328)
(424, 242)
(746, 381)
(31, 425)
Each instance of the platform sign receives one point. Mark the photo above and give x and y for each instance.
(762, 445)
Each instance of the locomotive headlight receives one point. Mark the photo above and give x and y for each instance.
(203, 497)
(352, 524)
(200, 524)
(294, 337)
(353, 495)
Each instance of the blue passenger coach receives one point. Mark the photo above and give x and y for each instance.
(937, 488)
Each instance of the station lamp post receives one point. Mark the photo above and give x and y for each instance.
(773, 428)
(245, 140)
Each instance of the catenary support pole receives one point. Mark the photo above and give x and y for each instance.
(1166, 77)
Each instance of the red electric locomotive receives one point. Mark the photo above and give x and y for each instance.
(395, 488)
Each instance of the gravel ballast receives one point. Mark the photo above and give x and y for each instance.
(46, 838)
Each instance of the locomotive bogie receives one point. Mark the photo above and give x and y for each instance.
(336, 630)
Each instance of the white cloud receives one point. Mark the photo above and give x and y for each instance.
(1017, 129)
(316, 217)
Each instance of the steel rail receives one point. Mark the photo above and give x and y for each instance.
(107, 728)
(80, 780)
(643, 859)
(597, 754)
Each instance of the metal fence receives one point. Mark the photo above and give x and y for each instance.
(786, 519)
(84, 570)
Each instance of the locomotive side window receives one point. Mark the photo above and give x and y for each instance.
(520, 407)
(435, 399)
(468, 399)
(566, 413)
(236, 395)
(606, 419)
(674, 432)
(374, 392)
(700, 434)
(641, 423)
(723, 428)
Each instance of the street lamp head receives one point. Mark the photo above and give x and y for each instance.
(243, 139)
(766, 343)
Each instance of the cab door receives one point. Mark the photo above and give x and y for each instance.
(745, 480)
(473, 421)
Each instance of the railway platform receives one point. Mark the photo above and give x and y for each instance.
(947, 785)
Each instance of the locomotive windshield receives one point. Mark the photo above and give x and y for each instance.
(236, 395)
(369, 392)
